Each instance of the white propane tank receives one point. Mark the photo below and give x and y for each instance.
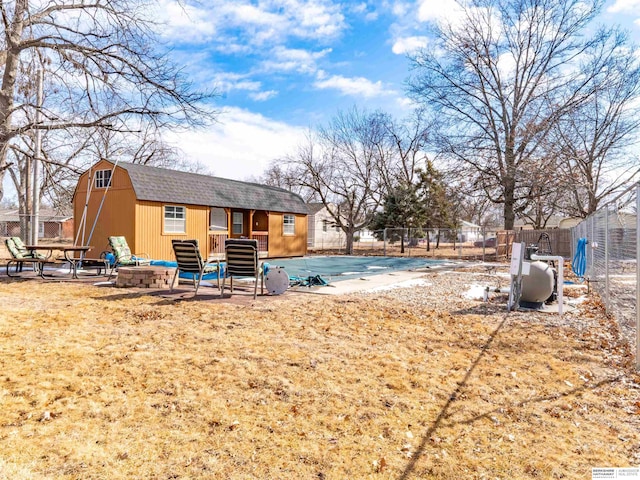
(538, 285)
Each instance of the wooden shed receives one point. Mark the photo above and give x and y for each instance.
(150, 206)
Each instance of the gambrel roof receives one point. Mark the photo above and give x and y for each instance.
(173, 186)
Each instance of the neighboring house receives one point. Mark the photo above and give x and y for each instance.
(51, 224)
(470, 231)
(323, 233)
(150, 206)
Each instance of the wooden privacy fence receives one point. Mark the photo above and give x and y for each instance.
(559, 239)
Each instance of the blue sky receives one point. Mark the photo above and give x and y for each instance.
(282, 66)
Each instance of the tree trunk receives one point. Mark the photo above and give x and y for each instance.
(509, 202)
(7, 89)
(349, 245)
(509, 214)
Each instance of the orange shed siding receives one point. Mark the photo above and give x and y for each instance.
(150, 229)
(289, 245)
(117, 215)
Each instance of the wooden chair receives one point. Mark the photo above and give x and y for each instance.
(242, 262)
(190, 261)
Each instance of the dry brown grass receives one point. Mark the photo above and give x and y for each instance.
(109, 383)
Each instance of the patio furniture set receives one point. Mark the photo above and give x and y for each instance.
(39, 256)
(241, 261)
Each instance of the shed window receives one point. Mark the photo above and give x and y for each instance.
(103, 178)
(289, 225)
(175, 219)
(238, 223)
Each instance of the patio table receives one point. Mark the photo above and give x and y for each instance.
(74, 254)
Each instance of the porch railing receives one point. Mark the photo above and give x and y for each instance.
(216, 243)
(263, 241)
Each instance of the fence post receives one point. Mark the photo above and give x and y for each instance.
(637, 277)
(590, 251)
(606, 260)
(384, 245)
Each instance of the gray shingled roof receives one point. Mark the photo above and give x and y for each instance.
(314, 207)
(163, 185)
(45, 215)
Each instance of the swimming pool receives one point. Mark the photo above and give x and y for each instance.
(336, 268)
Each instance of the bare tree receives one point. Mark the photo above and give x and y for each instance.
(286, 173)
(405, 152)
(547, 193)
(341, 165)
(499, 80)
(592, 143)
(95, 52)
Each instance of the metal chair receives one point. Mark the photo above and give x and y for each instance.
(190, 261)
(242, 262)
(21, 255)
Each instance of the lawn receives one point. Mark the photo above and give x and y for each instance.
(417, 382)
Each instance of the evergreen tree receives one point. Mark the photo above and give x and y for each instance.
(402, 209)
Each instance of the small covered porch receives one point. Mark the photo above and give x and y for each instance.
(225, 223)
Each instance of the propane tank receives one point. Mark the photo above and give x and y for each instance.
(538, 286)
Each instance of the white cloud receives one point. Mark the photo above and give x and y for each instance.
(293, 59)
(227, 81)
(405, 103)
(363, 10)
(430, 10)
(262, 96)
(241, 145)
(507, 65)
(243, 22)
(357, 86)
(371, 16)
(624, 6)
(186, 23)
(406, 45)
(316, 19)
(400, 9)
(232, 46)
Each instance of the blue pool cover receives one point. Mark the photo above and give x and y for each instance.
(331, 268)
(342, 267)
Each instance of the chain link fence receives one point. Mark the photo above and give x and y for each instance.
(50, 226)
(610, 247)
(475, 243)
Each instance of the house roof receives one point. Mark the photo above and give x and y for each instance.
(314, 207)
(465, 224)
(44, 215)
(164, 185)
